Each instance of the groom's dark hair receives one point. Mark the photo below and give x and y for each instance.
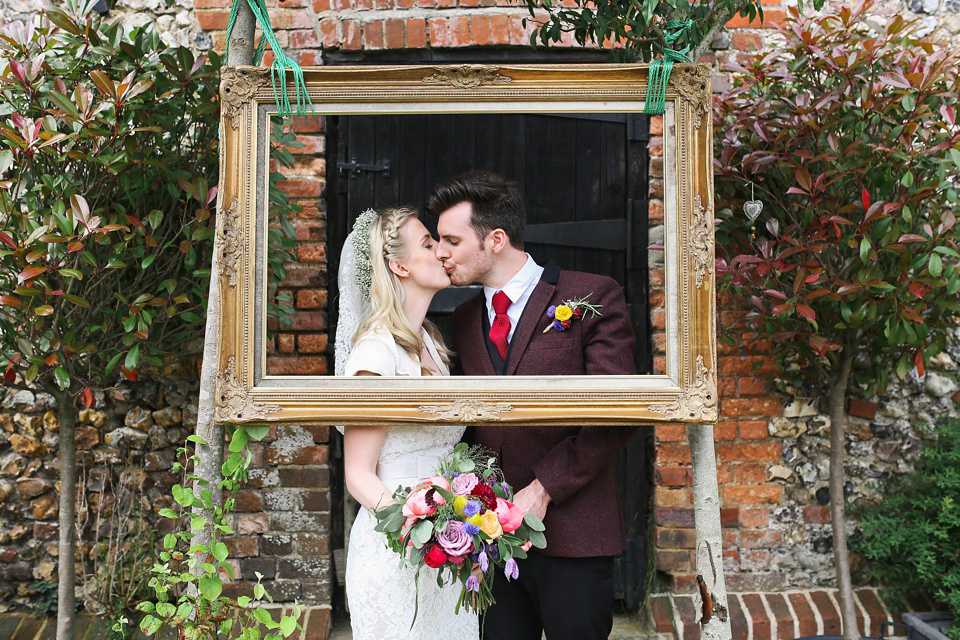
(497, 203)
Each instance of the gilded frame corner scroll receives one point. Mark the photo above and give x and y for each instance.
(686, 392)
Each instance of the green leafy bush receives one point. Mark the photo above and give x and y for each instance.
(912, 536)
(849, 133)
(187, 581)
(108, 159)
(108, 163)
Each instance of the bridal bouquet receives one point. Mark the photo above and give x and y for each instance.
(462, 523)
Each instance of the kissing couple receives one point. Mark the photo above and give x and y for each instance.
(525, 322)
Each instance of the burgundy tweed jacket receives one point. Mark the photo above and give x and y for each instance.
(573, 463)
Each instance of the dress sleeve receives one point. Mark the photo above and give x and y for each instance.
(371, 354)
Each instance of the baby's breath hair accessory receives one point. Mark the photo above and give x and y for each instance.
(360, 238)
(563, 314)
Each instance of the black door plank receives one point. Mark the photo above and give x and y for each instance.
(387, 183)
(447, 300)
(513, 145)
(438, 157)
(410, 161)
(489, 142)
(363, 148)
(589, 160)
(608, 235)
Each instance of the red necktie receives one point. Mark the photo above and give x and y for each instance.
(500, 328)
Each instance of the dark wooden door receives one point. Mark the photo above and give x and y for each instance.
(584, 177)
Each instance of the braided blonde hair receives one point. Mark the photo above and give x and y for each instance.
(386, 292)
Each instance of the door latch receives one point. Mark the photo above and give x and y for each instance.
(354, 168)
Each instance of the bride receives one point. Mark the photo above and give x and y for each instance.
(388, 276)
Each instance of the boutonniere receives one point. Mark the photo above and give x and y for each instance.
(563, 314)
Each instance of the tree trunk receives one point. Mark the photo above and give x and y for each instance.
(66, 565)
(240, 47)
(210, 464)
(715, 622)
(841, 557)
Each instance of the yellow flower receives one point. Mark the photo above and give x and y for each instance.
(477, 520)
(490, 525)
(562, 313)
(459, 503)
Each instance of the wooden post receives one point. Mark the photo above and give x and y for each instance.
(210, 464)
(241, 44)
(713, 613)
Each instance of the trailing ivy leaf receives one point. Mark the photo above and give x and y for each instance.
(150, 625)
(210, 587)
(220, 551)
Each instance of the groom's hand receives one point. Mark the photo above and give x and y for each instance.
(533, 498)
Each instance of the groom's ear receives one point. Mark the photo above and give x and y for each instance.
(398, 269)
(498, 240)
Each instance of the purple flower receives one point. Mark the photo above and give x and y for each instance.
(511, 570)
(454, 540)
(464, 483)
(472, 508)
(473, 583)
(558, 325)
(484, 562)
(551, 310)
(470, 529)
(493, 551)
(507, 489)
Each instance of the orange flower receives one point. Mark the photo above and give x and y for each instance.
(490, 525)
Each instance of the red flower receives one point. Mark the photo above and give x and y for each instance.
(434, 556)
(485, 494)
(577, 312)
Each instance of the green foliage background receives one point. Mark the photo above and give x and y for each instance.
(108, 161)
(912, 536)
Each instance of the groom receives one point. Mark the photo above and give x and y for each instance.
(564, 475)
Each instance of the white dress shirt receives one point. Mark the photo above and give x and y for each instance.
(519, 290)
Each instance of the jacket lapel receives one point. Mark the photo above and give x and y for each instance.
(535, 309)
(475, 342)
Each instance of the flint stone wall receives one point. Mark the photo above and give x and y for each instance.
(126, 447)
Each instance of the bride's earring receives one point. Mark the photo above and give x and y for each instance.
(752, 208)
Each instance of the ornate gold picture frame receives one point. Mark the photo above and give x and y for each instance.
(685, 392)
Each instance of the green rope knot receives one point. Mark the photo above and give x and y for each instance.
(281, 62)
(660, 70)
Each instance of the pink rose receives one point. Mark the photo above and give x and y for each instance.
(417, 504)
(441, 482)
(509, 515)
(464, 483)
(424, 499)
(457, 560)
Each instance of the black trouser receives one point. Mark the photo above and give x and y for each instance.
(568, 598)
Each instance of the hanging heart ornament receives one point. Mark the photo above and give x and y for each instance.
(752, 208)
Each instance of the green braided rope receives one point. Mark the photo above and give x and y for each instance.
(281, 63)
(660, 70)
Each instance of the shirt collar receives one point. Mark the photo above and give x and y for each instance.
(518, 284)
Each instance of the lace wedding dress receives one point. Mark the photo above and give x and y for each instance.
(382, 591)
